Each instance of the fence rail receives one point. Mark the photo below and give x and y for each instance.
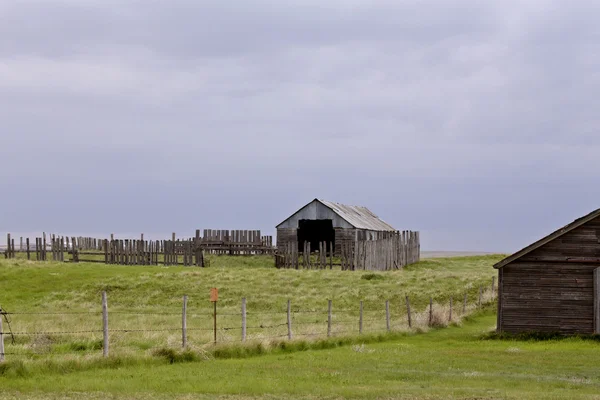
(219, 241)
(30, 333)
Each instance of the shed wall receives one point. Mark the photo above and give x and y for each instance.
(551, 289)
(547, 298)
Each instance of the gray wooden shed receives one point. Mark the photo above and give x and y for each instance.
(326, 221)
(553, 285)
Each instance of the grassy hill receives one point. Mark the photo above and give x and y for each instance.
(62, 286)
(145, 301)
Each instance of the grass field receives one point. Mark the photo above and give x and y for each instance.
(446, 363)
(62, 297)
(453, 362)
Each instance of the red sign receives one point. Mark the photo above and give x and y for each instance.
(214, 294)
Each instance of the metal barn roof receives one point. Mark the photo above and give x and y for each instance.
(357, 216)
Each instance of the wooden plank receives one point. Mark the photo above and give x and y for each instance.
(562, 259)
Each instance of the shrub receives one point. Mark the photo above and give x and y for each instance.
(371, 277)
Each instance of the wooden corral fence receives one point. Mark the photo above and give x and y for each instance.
(139, 251)
(144, 252)
(392, 252)
(236, 242)
(39, 249)
(290, 257)
(116, 251)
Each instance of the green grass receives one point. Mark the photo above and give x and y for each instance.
(447, 363)
(150, 298)
(61, 291)
(63, 286)
(65, 297)
(465, 360)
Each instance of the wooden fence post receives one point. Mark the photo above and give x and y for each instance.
(331, 252)
(243, 319)
(479, 304)
(184, 322)
(430, 310)
(215, 321)
(329, 306)
(408, 312)
(387, 315)
(289, 319)
(105, 324)
(28, 249)
(465, 304)
(360, 320)
(1, 337)
(450, 314)
(73, 250)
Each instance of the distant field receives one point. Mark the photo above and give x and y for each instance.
(447, 254)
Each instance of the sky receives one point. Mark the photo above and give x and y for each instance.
(473, 122)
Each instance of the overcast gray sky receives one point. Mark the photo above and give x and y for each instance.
(475, 122)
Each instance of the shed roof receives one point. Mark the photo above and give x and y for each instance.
(547, 239)
(358, 216)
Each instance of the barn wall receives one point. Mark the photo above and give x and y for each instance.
(315, 210)
(551, 289)
(286, 235)
(363, 234)
(342, 235)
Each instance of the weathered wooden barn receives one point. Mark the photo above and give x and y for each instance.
(326, 221)
(553, 285)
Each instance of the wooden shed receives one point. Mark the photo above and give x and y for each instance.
(553, 285)
(326, 221)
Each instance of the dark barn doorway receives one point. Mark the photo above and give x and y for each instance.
(315, 231)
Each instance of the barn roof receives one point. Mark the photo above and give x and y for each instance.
(545, 240)
(358, 216)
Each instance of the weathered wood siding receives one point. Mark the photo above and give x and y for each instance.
(285, 236)
(343, 235)
(314, 211)
(551, 289)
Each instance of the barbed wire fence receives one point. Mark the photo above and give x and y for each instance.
(35, 333)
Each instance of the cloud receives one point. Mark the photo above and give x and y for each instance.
(463, 108)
